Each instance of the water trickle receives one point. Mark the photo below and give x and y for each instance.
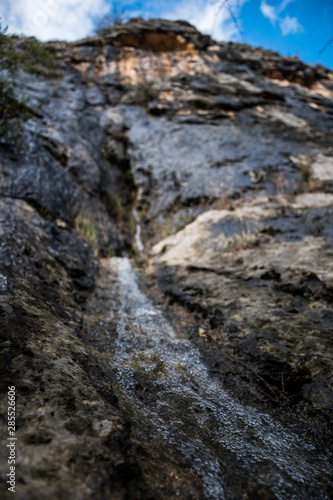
(137, 236)
(176, 406)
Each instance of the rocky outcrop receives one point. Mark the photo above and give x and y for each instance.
(158, 35)
(226, 152)
(261, 276)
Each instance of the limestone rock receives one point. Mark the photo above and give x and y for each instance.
(206, 139)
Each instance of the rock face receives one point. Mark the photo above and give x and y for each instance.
(262, 276)
(158, 35)
(65, 417)
(226, 152)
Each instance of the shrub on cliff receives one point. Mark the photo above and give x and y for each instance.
(27, 54)
(109, 22)
(30, 56)
(13, 113)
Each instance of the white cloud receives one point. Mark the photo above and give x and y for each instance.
(288, 25)
(53, 19)
(208, 17)
(269, 12)
(283, 5)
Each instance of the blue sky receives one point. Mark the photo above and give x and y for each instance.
(291, 27)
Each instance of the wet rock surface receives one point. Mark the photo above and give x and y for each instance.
(189, 437)
(226, 151)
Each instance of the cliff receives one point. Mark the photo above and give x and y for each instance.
(225, 151)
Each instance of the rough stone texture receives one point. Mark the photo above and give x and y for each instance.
(204, 132)
(63, 174)
(158, 35)
(263, 275)
(322, 169)
(71, 439)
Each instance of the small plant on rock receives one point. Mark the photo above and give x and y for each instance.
(317, 230)
(15, 54)
(86, 226)
(33, 57)
(13, 113)
(242, 242)
(258, 176)
(305, 169)
(143, 93)
(109, 22)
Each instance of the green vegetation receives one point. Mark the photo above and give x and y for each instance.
(143, 93)
(13, 113)
(115, 207)
(109, 22)
(307, 182)
(31, 56)
(15, 54)
(242, 242)
(258, 176)
(86, 226)
(317, 230)
(305, 170)
(120, 209)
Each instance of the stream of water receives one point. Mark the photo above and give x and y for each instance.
(137, 236)
(176, 407)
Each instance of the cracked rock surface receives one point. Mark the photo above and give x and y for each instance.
(225, 151)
